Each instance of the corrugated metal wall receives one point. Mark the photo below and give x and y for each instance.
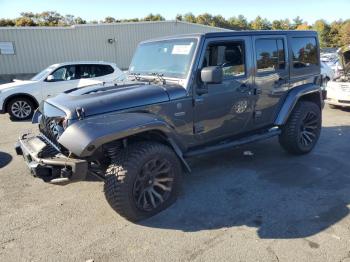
(36, 48)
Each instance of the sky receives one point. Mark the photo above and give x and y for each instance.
(309, 10)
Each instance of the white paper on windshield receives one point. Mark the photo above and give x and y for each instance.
(182, 49)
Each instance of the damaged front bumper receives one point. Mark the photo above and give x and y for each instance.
(45, 161)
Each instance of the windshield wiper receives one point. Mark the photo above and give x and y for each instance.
(135, 75)
(159, 77)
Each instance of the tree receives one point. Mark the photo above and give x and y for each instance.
(286, 24)
(79, 21)
(109, 20)
(49, 18)
(283, 24)
(25, 21)
(303, 26)
(260, 24)
(335, 34)
(297, 22)
(345, 33)
(276, 25)
(323, 30)
(68, 19)
(219, 21)
(178, 17)
(189, 17)
(152, 17)
(238, 23)
(205, 19)
(7, 22)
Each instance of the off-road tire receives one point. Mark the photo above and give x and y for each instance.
(290, 138)
(29, 105)
(121, 176)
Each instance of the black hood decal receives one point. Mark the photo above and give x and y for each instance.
(99, 99)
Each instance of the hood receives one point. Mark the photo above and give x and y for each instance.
(344, 54)
(99, 99)
(16, 83)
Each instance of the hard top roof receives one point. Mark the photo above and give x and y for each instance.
(241, 33)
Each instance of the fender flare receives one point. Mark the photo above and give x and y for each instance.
(83, 137)
(292, 98)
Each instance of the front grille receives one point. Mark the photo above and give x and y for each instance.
(50, 129)
(49, 150)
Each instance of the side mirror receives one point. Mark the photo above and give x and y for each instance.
(212, 75)
(50, 78)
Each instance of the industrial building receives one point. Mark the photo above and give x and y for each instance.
(28, 50)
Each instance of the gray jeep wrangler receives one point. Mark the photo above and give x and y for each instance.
(186, 96)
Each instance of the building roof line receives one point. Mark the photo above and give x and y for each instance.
(104, 24)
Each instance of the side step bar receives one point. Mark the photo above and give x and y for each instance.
(275, 131)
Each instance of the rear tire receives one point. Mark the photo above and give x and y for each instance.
(20, 108)
(303, 128)
(144, 180)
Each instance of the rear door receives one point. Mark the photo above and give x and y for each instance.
(271, 78)
(103, 72)
(226, 108)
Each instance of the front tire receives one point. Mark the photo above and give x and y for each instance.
(303, 128)
(144, 180)
(20, 108)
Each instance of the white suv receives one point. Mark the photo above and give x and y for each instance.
(20, 98)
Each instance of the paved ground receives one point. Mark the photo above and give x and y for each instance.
(265, 207)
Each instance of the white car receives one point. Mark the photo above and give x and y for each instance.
(20, 98)
(338, 90)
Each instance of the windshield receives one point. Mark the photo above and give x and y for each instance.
(42, 74)
(171, 58)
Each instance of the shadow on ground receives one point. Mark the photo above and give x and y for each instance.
(283, 196)
(5, 159)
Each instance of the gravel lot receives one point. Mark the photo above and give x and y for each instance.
(267, 207)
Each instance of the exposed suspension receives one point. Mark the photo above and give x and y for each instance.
(112, 150)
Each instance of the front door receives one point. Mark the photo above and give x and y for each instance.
(272, 77)
(64, 78)
(226, 108)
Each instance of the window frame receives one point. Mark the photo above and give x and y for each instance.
(285, 48)
(63, 80)
(313, 69)
(236, 39)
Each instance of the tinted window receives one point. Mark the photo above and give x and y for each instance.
(304, 52)
(64, 73)
(230, 56)
(270, 55)
(85, 71)
(101, 70)
(89, 71)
